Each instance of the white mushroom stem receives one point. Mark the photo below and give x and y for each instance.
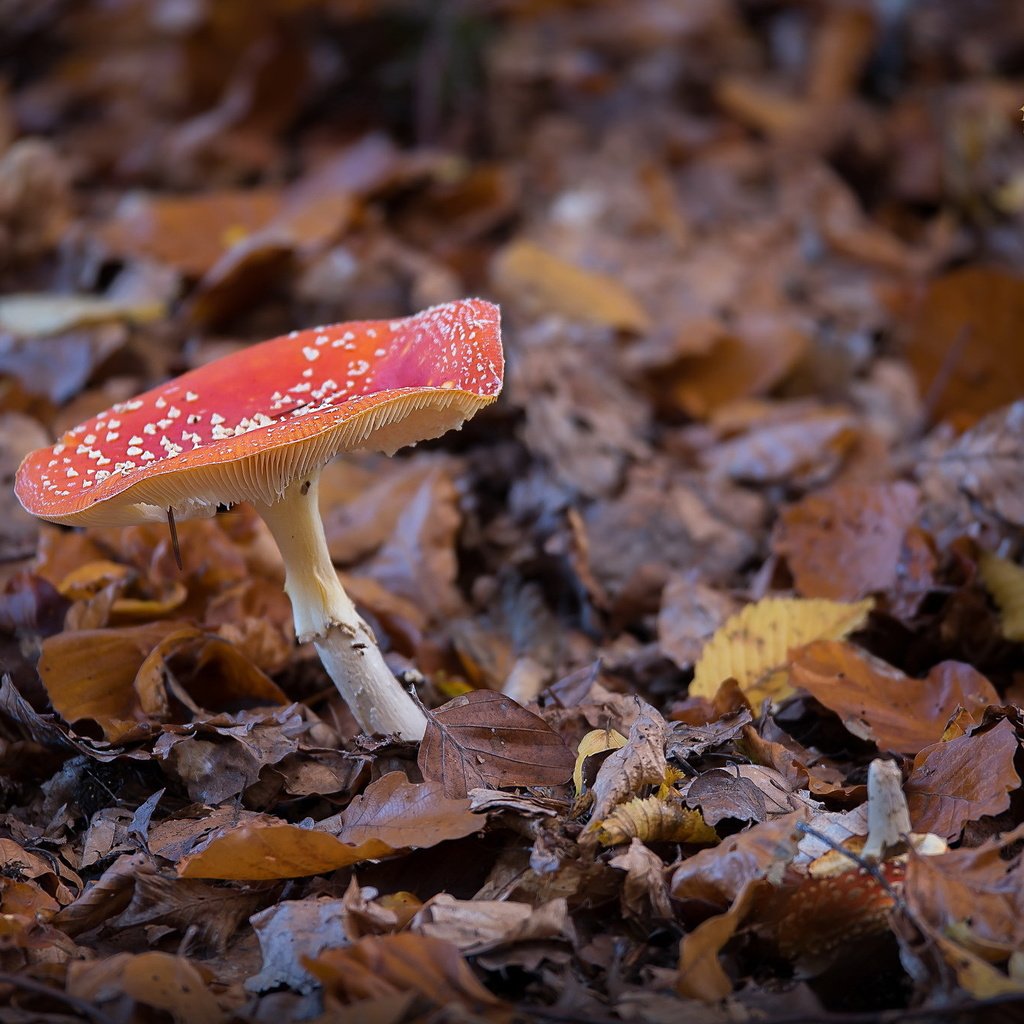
(325, 614)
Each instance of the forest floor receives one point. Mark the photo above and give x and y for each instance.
(719, 611)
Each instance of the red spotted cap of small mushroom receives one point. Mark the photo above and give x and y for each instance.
(244, 427)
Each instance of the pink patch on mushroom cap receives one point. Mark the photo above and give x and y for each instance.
(279, 392)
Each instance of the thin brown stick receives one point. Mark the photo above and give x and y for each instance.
(174, 538)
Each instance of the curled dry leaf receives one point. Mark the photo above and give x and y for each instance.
(878, 702)
(753, 647)
(629, 770)
(655, 820)
(478, 926)
(597, 741)
(963, 779)
(484, 739)
(1004, 580)
(119, 677)
(645, 890)
(845, 542)
(701, 975)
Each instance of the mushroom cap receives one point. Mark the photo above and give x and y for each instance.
(244, 427)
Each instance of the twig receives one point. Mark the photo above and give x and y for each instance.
(40, 989)
(871, 868)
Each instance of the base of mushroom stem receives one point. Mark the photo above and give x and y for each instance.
(376, 698)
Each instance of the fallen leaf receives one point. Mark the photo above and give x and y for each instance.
(645, 890)
(39, 316)
(378, 966)
(757, 353)
(291, 932)
(159, 981)
(701, 975)
(845, 542)
(655, 820)
(547, 284)
(627, 771)
(189, 232)
(1004, 580)
(478, 926)
(807, 449)
(18, 436)
(986, 463)
(963, 779)
(268, 848)
(690, 614)
(964, 345)
(718, 876)
(754, 646)
(878, 702)
(413, 816)
(407, 815)
(597, 741)
(485, 739)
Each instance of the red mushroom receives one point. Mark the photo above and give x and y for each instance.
(259, 425)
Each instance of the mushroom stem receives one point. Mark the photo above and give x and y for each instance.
(325, 614)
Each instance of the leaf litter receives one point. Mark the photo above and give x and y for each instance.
(716, 616)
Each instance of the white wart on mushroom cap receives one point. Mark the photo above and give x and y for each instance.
(242, 428)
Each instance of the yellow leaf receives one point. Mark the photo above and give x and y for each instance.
(551, 285)
(595, 742)
(652, 820)
(753, 645)
(1005, 582)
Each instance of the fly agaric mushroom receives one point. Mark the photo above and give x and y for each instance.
(258, 426)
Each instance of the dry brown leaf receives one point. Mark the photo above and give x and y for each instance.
(1004, 580)
(987, 463)
(701, 976)
(654, 820)
(754, 646)
(689, 615)
(845, 542)
(485, 739)
(159, 981)
(378, 966)
(759, 352)
(963, 779)
(188, 232)
(628, 771)
(393, 814)
(965, 341)
(268, 848)
(407, 815)
(806, 450)
(478, 926)
(542, 283)
(878, 702)
(719, 875)
(18, 436)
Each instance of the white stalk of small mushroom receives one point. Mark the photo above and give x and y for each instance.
(325, 615)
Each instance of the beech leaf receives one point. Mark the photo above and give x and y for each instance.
(485, 739)
(753, 646)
